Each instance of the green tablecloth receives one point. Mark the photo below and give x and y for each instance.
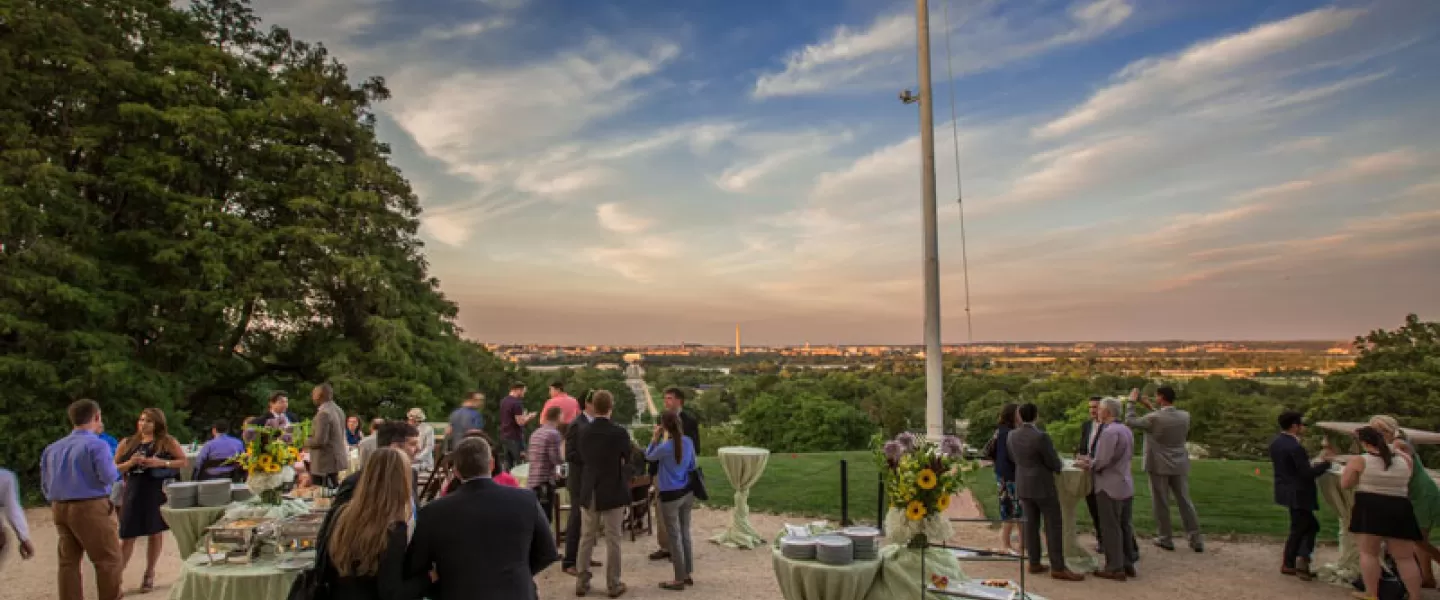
(260, 581)
(900, 575)
(188, 525)
(811, 580)
(1074, 485)
(1347, 567)
(743, 467)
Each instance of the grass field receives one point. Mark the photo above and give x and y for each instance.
(1229, 496)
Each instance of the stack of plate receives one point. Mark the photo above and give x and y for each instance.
(866, 541)
(182, 494)
(834, 550)
(240, 492)
(214, 493)
(798, 547)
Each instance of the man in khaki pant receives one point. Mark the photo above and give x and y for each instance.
(603, 495)
(76, 473)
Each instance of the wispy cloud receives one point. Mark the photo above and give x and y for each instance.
(864, 58)
(613, 217)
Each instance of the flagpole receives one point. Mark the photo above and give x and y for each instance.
(934, 354)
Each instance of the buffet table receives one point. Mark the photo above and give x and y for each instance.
(188, 525)
(743, 467)
(812, 580)
(261, 580)
(1073, 485)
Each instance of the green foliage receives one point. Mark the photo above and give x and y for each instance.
(806, 423)
(714, 406)
(196, 211)
(715, 437)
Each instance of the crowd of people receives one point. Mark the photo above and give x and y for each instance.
(1396, 504)
(379, 540)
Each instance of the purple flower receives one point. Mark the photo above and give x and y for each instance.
(951, 447)
(274, 424)
(893, 450)
(248, 435)
(906, 440)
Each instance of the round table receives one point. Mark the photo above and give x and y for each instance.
(1346, 568)
(743, 467)
(1073, 485)
(812, 580)
(257, 581)
(188, 525)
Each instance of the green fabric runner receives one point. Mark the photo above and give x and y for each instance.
(743, 467)
(259, 581)
(188, 525)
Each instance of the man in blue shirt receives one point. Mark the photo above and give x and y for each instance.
(465, 419)
(76, 473)
(221, 447)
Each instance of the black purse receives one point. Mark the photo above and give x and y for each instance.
(990, 452)
(696, 484)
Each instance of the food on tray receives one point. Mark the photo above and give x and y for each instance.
(242, 524)
(998, 583)
(939, 581)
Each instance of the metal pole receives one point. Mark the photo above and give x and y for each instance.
(934, 356)
(880, 506)
(844, 493)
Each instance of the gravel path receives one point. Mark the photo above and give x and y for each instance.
(1226, 571)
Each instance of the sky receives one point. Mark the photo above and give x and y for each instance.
(652, 172)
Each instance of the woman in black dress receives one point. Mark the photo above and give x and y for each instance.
(147, 459)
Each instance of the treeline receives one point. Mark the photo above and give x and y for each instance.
(805, 410)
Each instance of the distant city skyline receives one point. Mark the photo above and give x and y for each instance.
(650, 171)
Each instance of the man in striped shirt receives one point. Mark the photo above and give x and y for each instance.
(545, 456)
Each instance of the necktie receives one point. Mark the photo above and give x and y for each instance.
(1095, 439)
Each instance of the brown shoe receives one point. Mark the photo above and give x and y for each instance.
(1288, 571)
(1130, 572)
(1067, 576)
(1039, 569)
(1111, 575)
(618, 591)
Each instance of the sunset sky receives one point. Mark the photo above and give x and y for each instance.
(657, 171)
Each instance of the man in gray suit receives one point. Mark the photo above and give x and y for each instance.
(1036, 464)
(1168, 464)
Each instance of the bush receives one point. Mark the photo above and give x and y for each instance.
(713, 438)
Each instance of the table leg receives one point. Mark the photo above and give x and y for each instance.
(1076, 557)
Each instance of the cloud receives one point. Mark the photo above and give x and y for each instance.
(464, 30)
(1197, 74)
(1314, 143)
(867, 58)
(635, 259)
(613, 217)
(776, 152)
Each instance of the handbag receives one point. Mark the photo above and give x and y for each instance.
(163, 473)
(990, 452)
(696, 484)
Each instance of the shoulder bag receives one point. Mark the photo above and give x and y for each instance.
(990, 452)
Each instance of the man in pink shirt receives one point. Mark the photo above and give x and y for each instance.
(569, 407)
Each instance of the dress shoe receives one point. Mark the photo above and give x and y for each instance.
(1038, 569)
(1130, 572)
(1164, 545)
(1302, 569)
(1288, 571)
(660, 555)
(617, 591)
(1197, 547)
(1111, 575)
(1067, 576)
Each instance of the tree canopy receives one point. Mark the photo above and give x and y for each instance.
(194, 211)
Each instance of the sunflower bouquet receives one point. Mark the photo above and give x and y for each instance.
(270, 449)
(920, 478)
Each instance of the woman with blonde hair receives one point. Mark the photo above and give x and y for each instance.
(1424, 494)
(366, 546)
(147, 460)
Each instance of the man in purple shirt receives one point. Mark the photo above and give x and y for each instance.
(512, 425)
(76, 473)
(221, 447)
(1109, 463)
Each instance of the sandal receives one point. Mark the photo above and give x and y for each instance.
(147, 585)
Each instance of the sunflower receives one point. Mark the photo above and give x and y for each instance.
(266, 461)
(272, 468)
(915, 511)
(943, 503)
(926, 479)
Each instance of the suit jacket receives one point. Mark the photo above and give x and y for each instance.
(329, 454)
(605, 450)
(260, 420)
(1087, 429)
(1294, 474)
(486, 541)
(576, 470)
(1036, 462)
(1110, 465)
(1165, 433)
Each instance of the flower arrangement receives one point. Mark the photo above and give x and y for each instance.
(920, 478)
(270, 449)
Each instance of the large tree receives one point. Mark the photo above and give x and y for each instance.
(194, 211)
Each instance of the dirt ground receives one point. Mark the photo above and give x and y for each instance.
(1226, 571)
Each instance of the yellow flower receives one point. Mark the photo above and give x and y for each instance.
(916, 511)
(943, 503)
(266, 461)
(272, 468)
(926, 479)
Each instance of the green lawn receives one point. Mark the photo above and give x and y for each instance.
(1230, 498)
